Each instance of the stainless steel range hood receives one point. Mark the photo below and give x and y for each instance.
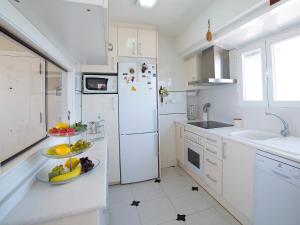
(214, 68)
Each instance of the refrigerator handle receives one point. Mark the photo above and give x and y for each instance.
(155, 118)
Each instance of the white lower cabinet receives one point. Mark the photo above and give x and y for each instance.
(179, 134)
(238, 176)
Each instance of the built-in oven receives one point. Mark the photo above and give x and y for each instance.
(194, 154)
(100, 83)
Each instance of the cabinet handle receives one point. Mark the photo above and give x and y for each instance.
(113, 104)
(140, 48)
(133, 48)
(181, 132)
(211, 140)
(209, 177)
(110, 47)
(41, 117)
(211, 151)
(212, 163)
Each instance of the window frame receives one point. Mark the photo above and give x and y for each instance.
(251, 47)
(269, 42)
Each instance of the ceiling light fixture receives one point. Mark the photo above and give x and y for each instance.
(146, 3)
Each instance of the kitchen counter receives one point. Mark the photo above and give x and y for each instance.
(226, 133)
(45, 203)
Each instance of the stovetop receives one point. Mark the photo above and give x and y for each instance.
(210, 124)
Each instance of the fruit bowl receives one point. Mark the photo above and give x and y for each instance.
(52, 154)
(64, 130)
(43, 174)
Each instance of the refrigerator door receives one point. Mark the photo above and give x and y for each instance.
(137, 99)
(139, 157)
(175, 103)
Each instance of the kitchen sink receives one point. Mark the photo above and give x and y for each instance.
(289, 145)
(254, 135)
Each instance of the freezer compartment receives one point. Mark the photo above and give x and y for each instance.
(139, 157)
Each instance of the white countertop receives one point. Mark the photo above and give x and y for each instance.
(226, 133)
(46, 202)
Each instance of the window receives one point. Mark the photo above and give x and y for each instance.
(286, 70)
(252, 75)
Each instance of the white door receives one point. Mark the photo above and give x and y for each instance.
(139, 157)
(137, 99)
(127, 42)
(147, 43)
(22, 97)
(105, 107)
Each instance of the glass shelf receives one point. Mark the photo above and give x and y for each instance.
(45, 153)
(43, 173)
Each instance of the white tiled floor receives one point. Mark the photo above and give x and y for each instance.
(161, 202)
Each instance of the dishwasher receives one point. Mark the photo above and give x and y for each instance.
(277, 190)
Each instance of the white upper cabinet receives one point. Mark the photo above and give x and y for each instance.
(137, 42)
(112, 59)
(147, 43)
(127, 41)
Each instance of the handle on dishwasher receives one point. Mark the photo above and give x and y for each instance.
(280, 174)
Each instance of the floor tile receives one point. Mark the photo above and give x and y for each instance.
(190, 202)
(119, 194)
(175, 184)
(147, 191)
(171, 171)
(156, 211)
(173, 222)
(123, 214)
(207, 217)
(229, 218)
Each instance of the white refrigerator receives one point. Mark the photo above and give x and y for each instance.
(138, 118)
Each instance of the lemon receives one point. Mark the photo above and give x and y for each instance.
(67, 176)
(62, 150)
(62, 125)
(75, 163)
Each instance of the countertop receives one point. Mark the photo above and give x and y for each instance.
(46, 202)
(226, 134)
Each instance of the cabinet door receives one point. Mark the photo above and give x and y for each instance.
(112, 56)
(127, 42)
(105, 107)
(238, 176)
(179, 132)
(147, 43)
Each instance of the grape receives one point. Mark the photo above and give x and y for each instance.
(86, 164)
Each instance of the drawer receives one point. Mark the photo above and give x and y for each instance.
(211, 160)
(214, 150)
(213, 139)
(213, 178)
(192, 137)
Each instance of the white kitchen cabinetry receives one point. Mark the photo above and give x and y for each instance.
(179, 135)
(192, 69)
(105, 107)
(147, 43)
(112, 56)
(238, 176)
(134, 42)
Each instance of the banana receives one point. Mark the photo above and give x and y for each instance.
(67, 176)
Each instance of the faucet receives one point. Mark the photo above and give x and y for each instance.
(285, 132)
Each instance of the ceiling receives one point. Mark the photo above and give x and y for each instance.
(169, 16)
(79, 34)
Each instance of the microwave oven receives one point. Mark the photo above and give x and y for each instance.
(100, 83)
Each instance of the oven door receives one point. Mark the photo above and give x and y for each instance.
(98, 84)
(194, 157)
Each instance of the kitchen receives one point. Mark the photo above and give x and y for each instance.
(212, 102)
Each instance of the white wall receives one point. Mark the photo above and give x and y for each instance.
(225, 107)
(170, 65)
(221, 14)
